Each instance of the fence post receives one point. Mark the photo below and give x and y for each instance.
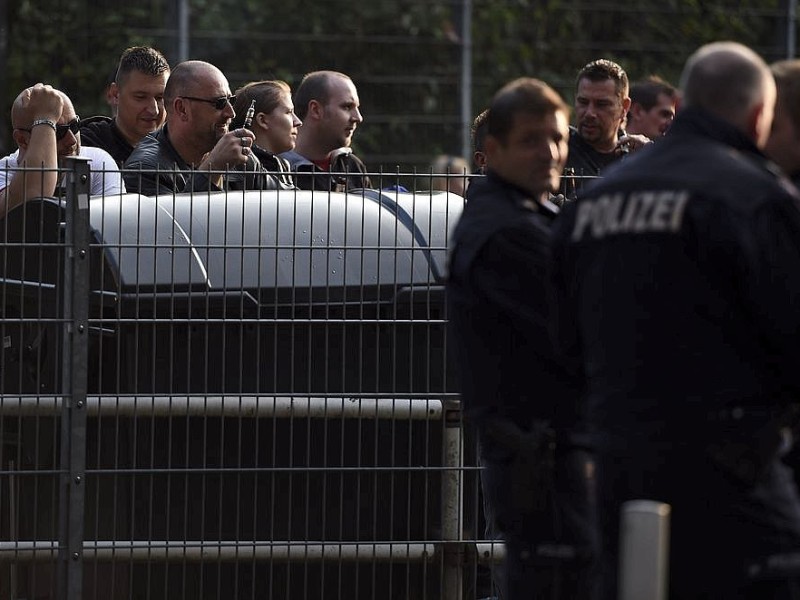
(644, 550)
(75, 356)
(452, 492)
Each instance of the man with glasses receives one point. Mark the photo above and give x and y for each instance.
(194, 150)
(46, 129)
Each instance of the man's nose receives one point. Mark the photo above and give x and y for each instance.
(154, 106)
(356, 116)
(70, 139)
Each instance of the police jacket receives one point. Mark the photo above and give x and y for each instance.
(347, 172)
(155, 167)
(679, 275)
(102, 132)
(498, 308)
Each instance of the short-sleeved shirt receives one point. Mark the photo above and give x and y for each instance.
(106, 179)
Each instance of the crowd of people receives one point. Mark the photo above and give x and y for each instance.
(181, 129)
(641, 342)
(620, 291)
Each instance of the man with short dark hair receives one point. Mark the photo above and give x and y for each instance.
(137, 99)
(601, 103)
(653, 104)
(783, 145)
(536, 472)
(676, 277)
(327, 103)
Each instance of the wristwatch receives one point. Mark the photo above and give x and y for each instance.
(47, 122)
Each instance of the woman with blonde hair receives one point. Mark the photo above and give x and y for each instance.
(273, 123)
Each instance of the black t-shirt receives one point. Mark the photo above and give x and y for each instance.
(102, 132)
(584, 163)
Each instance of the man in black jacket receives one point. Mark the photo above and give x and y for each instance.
(679, 278)
(536, 472)
(194, 151)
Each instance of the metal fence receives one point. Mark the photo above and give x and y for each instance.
(233, 395)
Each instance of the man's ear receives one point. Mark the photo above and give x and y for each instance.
(112, 96)
(180, 107)
(20, 139)
(315, 110)
(479, 158)
(626, 106)
(757, 126)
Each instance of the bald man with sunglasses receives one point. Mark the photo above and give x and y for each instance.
(195, 150)
(46, 130)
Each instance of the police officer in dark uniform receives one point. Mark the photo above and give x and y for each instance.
(537, 475)
(678, 275)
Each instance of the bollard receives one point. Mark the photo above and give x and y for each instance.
(644, 550)
(452, 492)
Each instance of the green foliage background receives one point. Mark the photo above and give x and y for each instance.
(404, 55)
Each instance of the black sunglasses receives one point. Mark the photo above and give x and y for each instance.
(217, 103)
(61, 130)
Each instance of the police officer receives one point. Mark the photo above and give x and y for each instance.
(536, 476)
(679, 280)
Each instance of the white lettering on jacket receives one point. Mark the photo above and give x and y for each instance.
(635, 212)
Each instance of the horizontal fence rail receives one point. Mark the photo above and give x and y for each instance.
(201, 551)
(239, 406)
